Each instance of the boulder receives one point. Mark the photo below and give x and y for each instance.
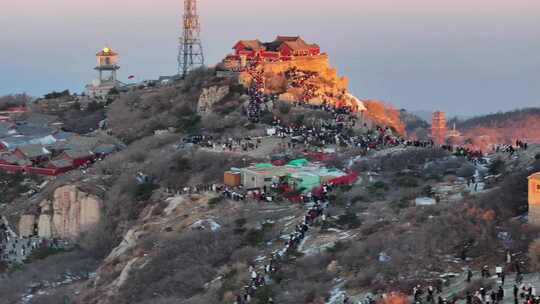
(211, 96)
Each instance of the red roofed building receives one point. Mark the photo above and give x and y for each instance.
(282, 48)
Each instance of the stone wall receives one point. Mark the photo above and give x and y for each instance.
(70, 213)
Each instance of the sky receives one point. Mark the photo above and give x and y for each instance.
(464, 57)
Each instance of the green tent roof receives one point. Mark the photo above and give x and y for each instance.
(264, 165)
(299, 162)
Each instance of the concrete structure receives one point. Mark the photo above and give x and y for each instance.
(534, 199)
(438, 128)
(107, 67)
(298, 174)
(261, 176)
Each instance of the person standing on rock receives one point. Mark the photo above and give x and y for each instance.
(253, 276)
(483, 294)
(500, 294)
(469, 275)
(438, 285)
(493, 297)
(430, 292)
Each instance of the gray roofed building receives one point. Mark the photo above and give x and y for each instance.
(60, 163)
(33, 130)
(6, 129)
(77, 153)
(37, 119)
(14, 160)
(12, 143)
(82, 143)
(34, 151)
(105, 149)
(63, 136)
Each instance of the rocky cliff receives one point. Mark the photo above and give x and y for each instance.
(325, 80)
(69, 213)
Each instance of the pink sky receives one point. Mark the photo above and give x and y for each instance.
(444, 6)
(414, 53)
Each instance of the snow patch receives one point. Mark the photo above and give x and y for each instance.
(206, 224)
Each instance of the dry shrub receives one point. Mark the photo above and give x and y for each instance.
(433, 232)
(510, 198)
(181, 267)
(245, 255)
(410, 158)
(304, 281)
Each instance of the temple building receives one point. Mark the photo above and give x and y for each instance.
(283, 48)
(107, 67)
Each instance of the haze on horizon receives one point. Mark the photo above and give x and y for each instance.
(462, 57)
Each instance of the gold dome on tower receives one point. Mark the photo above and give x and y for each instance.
(106, 51)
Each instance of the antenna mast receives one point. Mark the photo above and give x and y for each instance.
(190, 54)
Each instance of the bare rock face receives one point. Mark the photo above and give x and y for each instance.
(210, 96)
(27, 224)
(70, 213)
(44, 226)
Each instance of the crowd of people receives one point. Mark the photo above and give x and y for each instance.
(522, 292)
(335, 134)
(511, 149)
(15, 249)
(256, 94)
(302, 79)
